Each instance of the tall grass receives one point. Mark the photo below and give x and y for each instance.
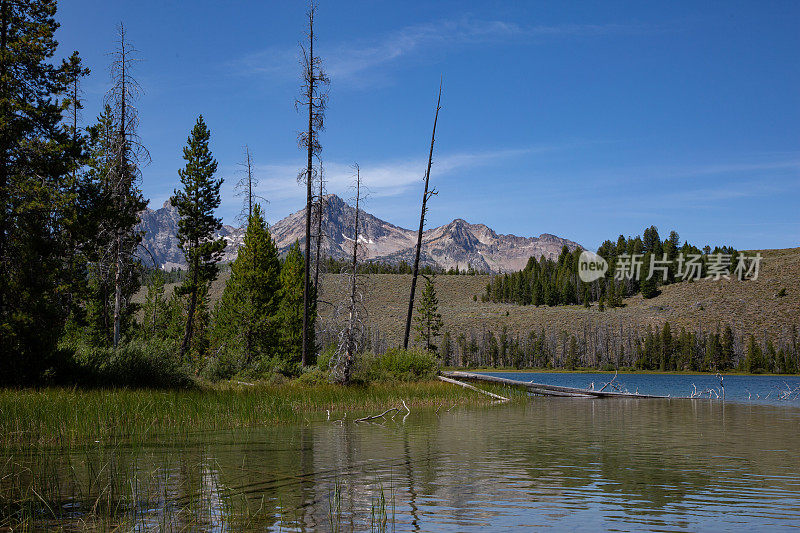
(65, 417)
(110, 459)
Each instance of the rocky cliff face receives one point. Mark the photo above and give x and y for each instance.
(458, 243)
(160, 237)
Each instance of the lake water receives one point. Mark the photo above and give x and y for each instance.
(551, 463)
(767, 390)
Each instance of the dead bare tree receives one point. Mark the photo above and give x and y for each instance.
(314, 96)
(426, 195)
(246, 185)
(352, 335)
(319, 213)
(128, 155)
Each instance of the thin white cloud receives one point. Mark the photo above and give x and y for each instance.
(279, 185)
(672, 175)
(345, 62)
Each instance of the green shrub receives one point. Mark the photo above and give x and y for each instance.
(396, 365)
(137, 363)
(326, 356)
(312, 375)
(219, 367)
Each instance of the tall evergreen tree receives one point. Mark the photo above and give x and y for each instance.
(290, 311)
(428, 318)
(196, 204)
(36, 155)
(753, 361)
(247, 314)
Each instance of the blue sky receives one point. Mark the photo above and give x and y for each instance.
(585, 120)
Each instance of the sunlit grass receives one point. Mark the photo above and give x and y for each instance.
(65, 417)
(101, 459)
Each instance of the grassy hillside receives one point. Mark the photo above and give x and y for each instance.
(748, 307)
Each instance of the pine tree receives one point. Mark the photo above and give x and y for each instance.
(666, 348)
(753, 360)
(37, 156)
(726, 353)
(572, 354)
(196, 204)
(290, 309)
(246, 317)
(649, 285)
(428, 319)
(154, 309)
(447, 349)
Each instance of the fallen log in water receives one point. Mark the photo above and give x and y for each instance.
(476, 389)
(547, 390)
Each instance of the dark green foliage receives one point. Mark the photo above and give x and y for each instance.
(572, 355)
(654, 349)
(246, 325)
(446, 353)
(428, 319)
(37, 156)
(196, 204)
(290, 310)
(649, 285)
(548, 282)
(395, 365)
(754, 361)
(139, 363)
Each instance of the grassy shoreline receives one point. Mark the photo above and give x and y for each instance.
(68, 417)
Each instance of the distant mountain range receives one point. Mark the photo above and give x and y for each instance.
(458, 243)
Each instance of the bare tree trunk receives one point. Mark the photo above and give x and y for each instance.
(425, 196)
(320, 214)
(121, 166)
(4, 149)
(118, 291)
(307, 266)
(187, 337)
(354, 273)
(249, 183)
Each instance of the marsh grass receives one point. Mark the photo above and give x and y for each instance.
(108, 459)
(66, 417)
(112, 489)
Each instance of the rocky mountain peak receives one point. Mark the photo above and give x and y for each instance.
(458, 243)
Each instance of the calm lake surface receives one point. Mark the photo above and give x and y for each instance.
(551, 463)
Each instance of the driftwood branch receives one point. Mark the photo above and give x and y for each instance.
(476, 389)
(373, 417)
(610, 382)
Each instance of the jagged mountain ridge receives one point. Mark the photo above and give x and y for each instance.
(458, 243)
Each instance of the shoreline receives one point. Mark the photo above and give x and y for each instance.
(612, 372)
